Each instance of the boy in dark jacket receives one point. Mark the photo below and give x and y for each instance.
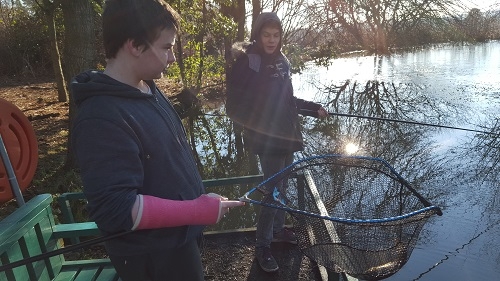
(137, 167)
(260, 98)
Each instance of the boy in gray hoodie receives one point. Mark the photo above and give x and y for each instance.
(260, 98)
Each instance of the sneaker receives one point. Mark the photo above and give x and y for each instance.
(266, 259)
(285, 236)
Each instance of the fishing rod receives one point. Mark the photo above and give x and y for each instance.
(60, 251)
(309, 112)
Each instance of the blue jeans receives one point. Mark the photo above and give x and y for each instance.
(271, 220)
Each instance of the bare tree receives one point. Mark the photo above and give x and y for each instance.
(374, 24)
(478, 25)
(49, 9)
(256, 9)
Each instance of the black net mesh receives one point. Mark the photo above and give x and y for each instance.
(367, 218)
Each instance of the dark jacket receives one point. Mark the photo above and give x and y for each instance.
(126, 143)
(260, 97)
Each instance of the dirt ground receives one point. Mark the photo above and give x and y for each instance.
(230, 257)
(225, 256)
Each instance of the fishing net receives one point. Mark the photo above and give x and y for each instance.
(351, 214)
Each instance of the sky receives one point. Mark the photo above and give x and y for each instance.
(481, 4)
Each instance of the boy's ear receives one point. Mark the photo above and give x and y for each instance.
(132, 48)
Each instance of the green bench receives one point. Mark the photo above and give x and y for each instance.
(30, 231)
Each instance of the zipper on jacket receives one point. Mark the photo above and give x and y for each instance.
(179, 135)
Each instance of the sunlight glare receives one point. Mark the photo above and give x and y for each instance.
(351, 148)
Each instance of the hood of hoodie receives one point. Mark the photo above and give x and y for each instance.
(96, 83)
(260, 21)
(253, 49)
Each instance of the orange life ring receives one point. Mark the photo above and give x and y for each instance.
(21, 144)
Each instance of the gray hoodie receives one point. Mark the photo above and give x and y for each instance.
(260, 96)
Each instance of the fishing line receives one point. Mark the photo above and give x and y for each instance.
(310, 112)
(404, 121)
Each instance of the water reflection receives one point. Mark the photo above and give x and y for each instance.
(456, 170)
(487, 153)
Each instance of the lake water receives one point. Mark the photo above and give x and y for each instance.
(457, 170)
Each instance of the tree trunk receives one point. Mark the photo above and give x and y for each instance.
(80, 29)
(180, 53)
(79, 49)
(237, 12)
(240, 19)
(201, 37)
(256, 10)
(62, 91)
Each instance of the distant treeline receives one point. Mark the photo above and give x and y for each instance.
(313, 30)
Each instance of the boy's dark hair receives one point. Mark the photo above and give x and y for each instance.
(272, 24)
(139, 20)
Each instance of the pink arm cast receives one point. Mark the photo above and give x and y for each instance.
(154, 212)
